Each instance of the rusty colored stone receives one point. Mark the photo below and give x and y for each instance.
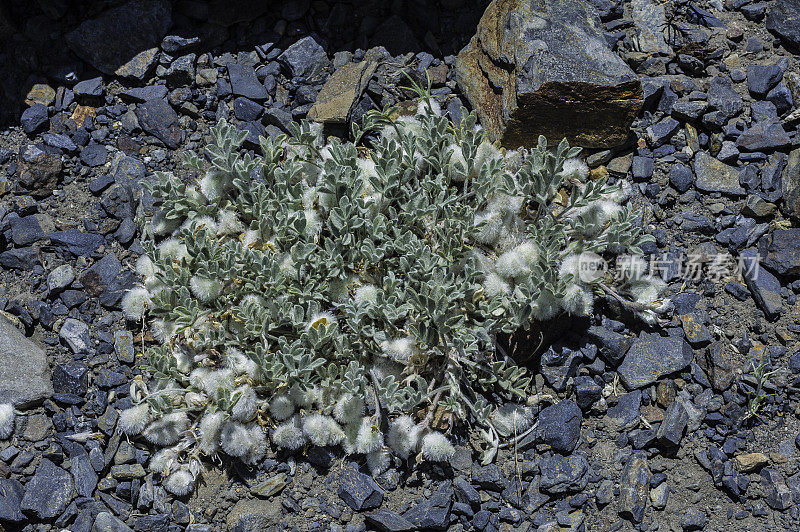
(543, 68)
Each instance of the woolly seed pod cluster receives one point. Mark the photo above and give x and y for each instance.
(317, 291)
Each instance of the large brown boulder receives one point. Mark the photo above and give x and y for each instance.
(542, 67)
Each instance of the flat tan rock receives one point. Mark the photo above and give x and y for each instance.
(341, 92)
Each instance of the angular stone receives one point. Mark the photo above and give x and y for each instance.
(719, 365)
(560, 426)
(341, 92)
(76, 334)
(48, 492)
(625, 414)
(388, 521)
(305, 58)
(763, 136)
(561, 474)
(746, 463)
(724, 98)
(157, 118)
(649, 18)
(537, 68)
(11, 492)
(245, 83)
(778, 496)
(695, 331)
(106, 522)
(254, 514)
(24, 372)
(633, 489)
(38, 171)
(765, 287)
(139, 66)
(34, 119)
(142, 94)
(432, 513)
(117, 35)
(76, 242)
(670, 432)
(783, 19)
(780, 251)
(716, 176)
(762, 78)
(651, 357)
(83, 474)
(359, 491)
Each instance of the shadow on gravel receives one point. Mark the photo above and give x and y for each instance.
(60, 42)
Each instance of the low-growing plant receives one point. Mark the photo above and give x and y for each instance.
(328, 293)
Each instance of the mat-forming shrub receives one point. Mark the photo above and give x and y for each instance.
(334, 294)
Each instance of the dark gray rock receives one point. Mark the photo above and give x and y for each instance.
(642, 167)
(157, 118)
(777, 493)
(11, 492)
(94, 155)
(76, 335)
(763, 137)
(681, 178)
(625, 414)
(24, 372)
(71, 378)
(559, 363)
(75, 242)
(633, 489)
(181, 71)
(48, 492)
(670, 432)
(720, 366)
(62, 142)
(246, 110)
(693, 519)
(26, 230)
(587, 392)
(113, 38)
(245, 83)
(765, 288)
(613, 345)
(724, 98)
(88, 89)
(713, 175)
(143, 94)
(560, 426)
(432, 513)
(689, 110)
(305, 58)
(107, 522)
(780, 251)
(175, 43)
(489, 477)
(783, 19)
(34, 119)
(781, 97)
(466, 493)
(38, 171)
(359, 491)
(651, 357)
(388, 521)
(762, 78)
(545, 68)
(660, 132)
(560, 474)
(24, 259)
(83, 474)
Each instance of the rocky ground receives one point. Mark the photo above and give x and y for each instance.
(689, 426)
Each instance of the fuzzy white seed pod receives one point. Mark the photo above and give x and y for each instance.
(490, 226)
(168, 429)
(145, 266)
(228, 223)
(281, 407)
(251, 238)
(369, 437)
(161, 225)
(631, 267)
(174, 249)
(211, 426)
(366, 169)
(505, 204)
(213, 185)
(205, 289)
(512, 419)
(303, 398)
(258, 445)
(485, 154)
(620, 193)
(133, 420)
(163, 461)
(577, 300)
(179, 482)
(245, 408)
(348, 409)
(162, 330)
(240, 363)
(575, 169)
(195, 401)
(366, 295)
(400, 350)
(289, 434)
(512, 265)
(7, 416)
(313, 222)
(319, 429)
(135, 303)
(403, 436)
(436, 447)
(379, 461)
(429, 107)
(647, 289)
(545, 307)
(183, 361)
(201, 222)
(494, 285)
(235, 439)
(529, 252)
